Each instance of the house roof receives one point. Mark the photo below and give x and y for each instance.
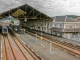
(64, 19)
(69, 19)
(60, 18)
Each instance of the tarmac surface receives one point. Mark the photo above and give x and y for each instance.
(43, 50)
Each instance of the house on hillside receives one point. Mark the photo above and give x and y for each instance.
(65, 26)
(10, 20)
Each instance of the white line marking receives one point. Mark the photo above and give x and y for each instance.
(32, 50)
(1, 48)
(37, 54)
(22, 41)
(29, 46)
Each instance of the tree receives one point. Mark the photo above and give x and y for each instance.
(72, 16)
(12, 21)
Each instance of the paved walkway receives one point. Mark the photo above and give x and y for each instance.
(42, 49)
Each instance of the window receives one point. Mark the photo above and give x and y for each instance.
(61, 25)
(72, 26)
(55, 25)
(5, 30)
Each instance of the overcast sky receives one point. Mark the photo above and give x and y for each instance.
(49, 7)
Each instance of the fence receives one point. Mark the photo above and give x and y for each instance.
(75, 38)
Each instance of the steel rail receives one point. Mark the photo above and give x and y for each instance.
(25, 46)
(5, 48)
(19, 47)
(11, 49)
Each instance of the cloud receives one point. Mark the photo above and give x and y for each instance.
(49, 7)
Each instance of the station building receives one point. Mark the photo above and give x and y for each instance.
(32, 18)
(65, 26)
(62, 26)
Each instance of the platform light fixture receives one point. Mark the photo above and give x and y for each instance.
(25, 15)
(25, 19)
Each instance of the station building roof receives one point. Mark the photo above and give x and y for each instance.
(25, 12)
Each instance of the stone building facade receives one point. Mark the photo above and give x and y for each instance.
(63, 26)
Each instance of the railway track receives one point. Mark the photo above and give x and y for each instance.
(14, 49)
(68, 47)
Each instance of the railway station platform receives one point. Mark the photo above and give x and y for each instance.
(42, 49)
(32, 18)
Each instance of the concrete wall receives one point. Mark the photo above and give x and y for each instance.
(67, 35)
(78, 25)
(72, 25)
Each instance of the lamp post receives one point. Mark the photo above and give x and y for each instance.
(25, 25)
(41, 31)
(25, 20)
(50, 47)
(41, 38)
(36, 38)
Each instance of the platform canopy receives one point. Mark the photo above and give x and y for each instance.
(25, 12)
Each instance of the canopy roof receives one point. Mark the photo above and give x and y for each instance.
(65, 30)
(25, 12)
